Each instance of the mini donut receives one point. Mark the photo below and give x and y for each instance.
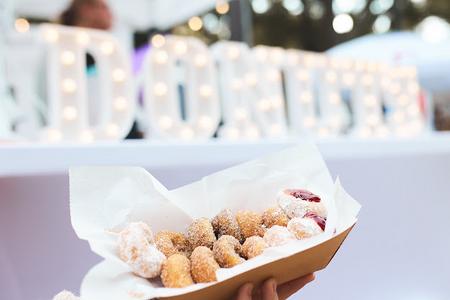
(65, 295)
(274, 216)
(296, 203)
(304, 228)
(201, 233)
(225, 224)
(278, 235)
(176, 272)
(203, 265)
(253, 246)
(137, 249)
(226, 251)
(171, 242)
(250, 223)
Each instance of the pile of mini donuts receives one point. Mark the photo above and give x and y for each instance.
(223, 242)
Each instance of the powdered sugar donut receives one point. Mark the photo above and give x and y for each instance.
(137, 249)
(278, 235)
(304, 228)
(65, 295)
(296, 203)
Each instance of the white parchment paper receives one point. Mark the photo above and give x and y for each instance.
(105, 199)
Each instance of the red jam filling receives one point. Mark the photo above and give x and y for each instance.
(319, 220)
(304, 195)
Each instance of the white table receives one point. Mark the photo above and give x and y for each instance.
(399, 249)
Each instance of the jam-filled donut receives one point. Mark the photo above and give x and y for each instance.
(307, 227)
(297, 202)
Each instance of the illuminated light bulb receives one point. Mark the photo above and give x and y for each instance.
(251, 79)
(368, 80)
(86, 136)
(306, 97)
(276, 102)
(206, 122)
(373, 119)
(51, 35)
(107, 48)
(382, 132)
(309, 122)
(240, 113)
(222, 7)
(205, 90)
(69, 85)
(118, 75)
(302, 75)
(275, 129)
(22, 25)
(252, 132)
(413, 88)
(364, 132)
(112, 130)
(158, 40)
(54, 135)
(372, 67)
(236, 84)
(359, 66)
(261, 54)
(323, 132)
(343, 23)
(395, 88)
(161, 57)
(309, 60)
(334, 63)
(82, 38)
(67, 58)
(273, 75)
(264, 105)
(160, 89)
(186, 133)
(120, 104)
(195, 23)
(335, 122)
(277, 56)
(370, 100)
(70, 113)
(399, 117)
(334, 98)
(200, 60)
(232, 133)
(331, 76)
(403, 100)
(413, 110)
(165, 122)
(349, 79)
(233, 52)
(180, 47)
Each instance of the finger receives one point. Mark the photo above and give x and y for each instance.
(269, 290)
(287, 289)
(245, 292)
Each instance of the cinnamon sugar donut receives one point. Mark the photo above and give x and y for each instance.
(253, 246)
(201, 233)
(176, 272)
(225, 224)
(227, 250)
(274, 216)
(203, 265)
(250, 223)
(171, 242)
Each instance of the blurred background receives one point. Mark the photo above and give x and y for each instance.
(399, 249)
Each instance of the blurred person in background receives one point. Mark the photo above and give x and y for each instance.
(94, 14)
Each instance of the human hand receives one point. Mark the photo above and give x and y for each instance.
(270, 291)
